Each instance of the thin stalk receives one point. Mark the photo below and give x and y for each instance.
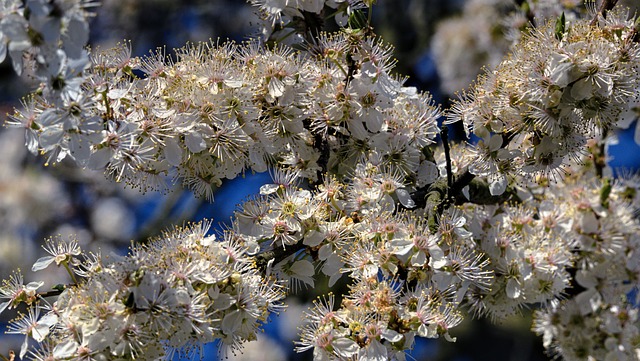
(444, 134)
(73, 276)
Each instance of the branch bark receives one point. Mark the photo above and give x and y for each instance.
(605, 6)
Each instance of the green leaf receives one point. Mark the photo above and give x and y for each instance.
(605, 191)
(59, 287)
(560, 26)
(525, 7)
(358, 20)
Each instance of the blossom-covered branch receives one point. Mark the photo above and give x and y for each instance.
(359, 188)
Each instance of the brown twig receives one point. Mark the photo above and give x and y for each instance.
(606, 5)
(277, 255)
(444, 134)
(12, 356)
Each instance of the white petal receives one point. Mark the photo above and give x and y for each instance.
(24, 347)
(498, 185)
(418, 259)
(3, 306)
(427, 173)
(513, 289)
(405, 198)
(374, 121)
(42, 263)
(195, 143)
(356, 127)
(313, 238)
(80, 149)
(32, 286)
(401, 246)
(223, 301)
(40, 331)
(303, 268)
(334, 278)
(582, 89)
(586, 279)
(117, 93)
(345, 347)
(276, 87)
(3, 48)
(325, 252)
(173, 152)
(51, 137)
(589, 301)
(100, 158)
(231, 322)
(437, 262)
(391, 335)
(465, 192)
(342, 18)
(375, 352)
(65, 350)
(495, 142)
(268, 189)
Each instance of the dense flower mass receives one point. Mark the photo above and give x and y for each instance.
(484, 32)
(219, 110)
(425, 235)
(44, 35)
(177, 292)
(560, 87)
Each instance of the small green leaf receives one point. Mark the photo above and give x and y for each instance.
(357, 20)
(605, 191)
(525, 7)
(560, 26)
(59, 287)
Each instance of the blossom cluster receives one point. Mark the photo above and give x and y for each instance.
(575, 248)
(410, 278)
(570, 248)
(46, 38)
(218, 110)
(601, 321)
(560, 87)
(283, 18)
(485, 31)
(608, 333)
(173, 294)
(423, 234)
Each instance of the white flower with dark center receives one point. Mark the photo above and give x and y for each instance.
(283, 231)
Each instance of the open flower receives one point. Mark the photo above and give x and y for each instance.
(32, 325)
(61, 252)
(16, 292)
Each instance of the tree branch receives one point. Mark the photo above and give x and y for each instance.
(444, 134)
(277, 255)
(604, 8)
